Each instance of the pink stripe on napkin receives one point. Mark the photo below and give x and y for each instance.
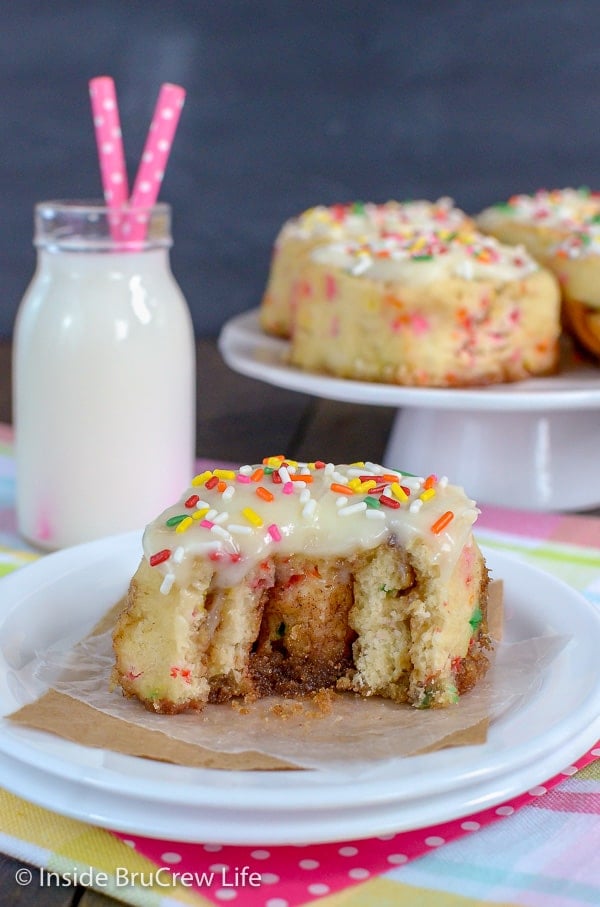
(577, 530)
(518, 522)
(570, 529)
(6, 433)
(559, 801)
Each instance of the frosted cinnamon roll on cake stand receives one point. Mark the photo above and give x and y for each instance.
(576, 263)
(323, 225)
(560, 228)
(288, 578)
(433, 309)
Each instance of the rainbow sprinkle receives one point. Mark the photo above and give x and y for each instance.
(252, 516)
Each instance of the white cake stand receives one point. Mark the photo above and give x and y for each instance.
(532, 445)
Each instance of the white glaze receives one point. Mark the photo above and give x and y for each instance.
(371, 220)
(338, 524)
(429, 257)
(560, 209)
(583, 242)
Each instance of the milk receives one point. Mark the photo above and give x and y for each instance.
(104, 394)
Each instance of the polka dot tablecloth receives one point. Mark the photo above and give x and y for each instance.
(538, 850)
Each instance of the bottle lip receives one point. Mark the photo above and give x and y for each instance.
(92, 225)
(96, 206)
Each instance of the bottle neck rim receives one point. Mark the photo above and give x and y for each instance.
(51, 249)
(80, 226)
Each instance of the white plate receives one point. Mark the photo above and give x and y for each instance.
(247, 349)
(65, 593)
(529, 424)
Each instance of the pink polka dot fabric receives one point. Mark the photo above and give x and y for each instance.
(294, 875)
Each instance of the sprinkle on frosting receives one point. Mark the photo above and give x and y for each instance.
(160, 557)
(444, 520)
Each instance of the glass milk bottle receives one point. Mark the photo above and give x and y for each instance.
(103, 376)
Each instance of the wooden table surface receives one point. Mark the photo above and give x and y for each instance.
(241, 420)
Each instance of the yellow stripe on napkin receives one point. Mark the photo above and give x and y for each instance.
(70, 846)
(388, 893)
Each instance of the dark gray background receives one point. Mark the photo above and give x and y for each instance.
(292, 103)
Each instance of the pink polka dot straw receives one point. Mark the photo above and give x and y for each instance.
(107, 127)
(156, 152)
(132, 229)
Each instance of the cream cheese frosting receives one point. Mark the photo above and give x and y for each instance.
(560, 209)
(425, 257)
(238, 518)
(583, 241)
(369, 220)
